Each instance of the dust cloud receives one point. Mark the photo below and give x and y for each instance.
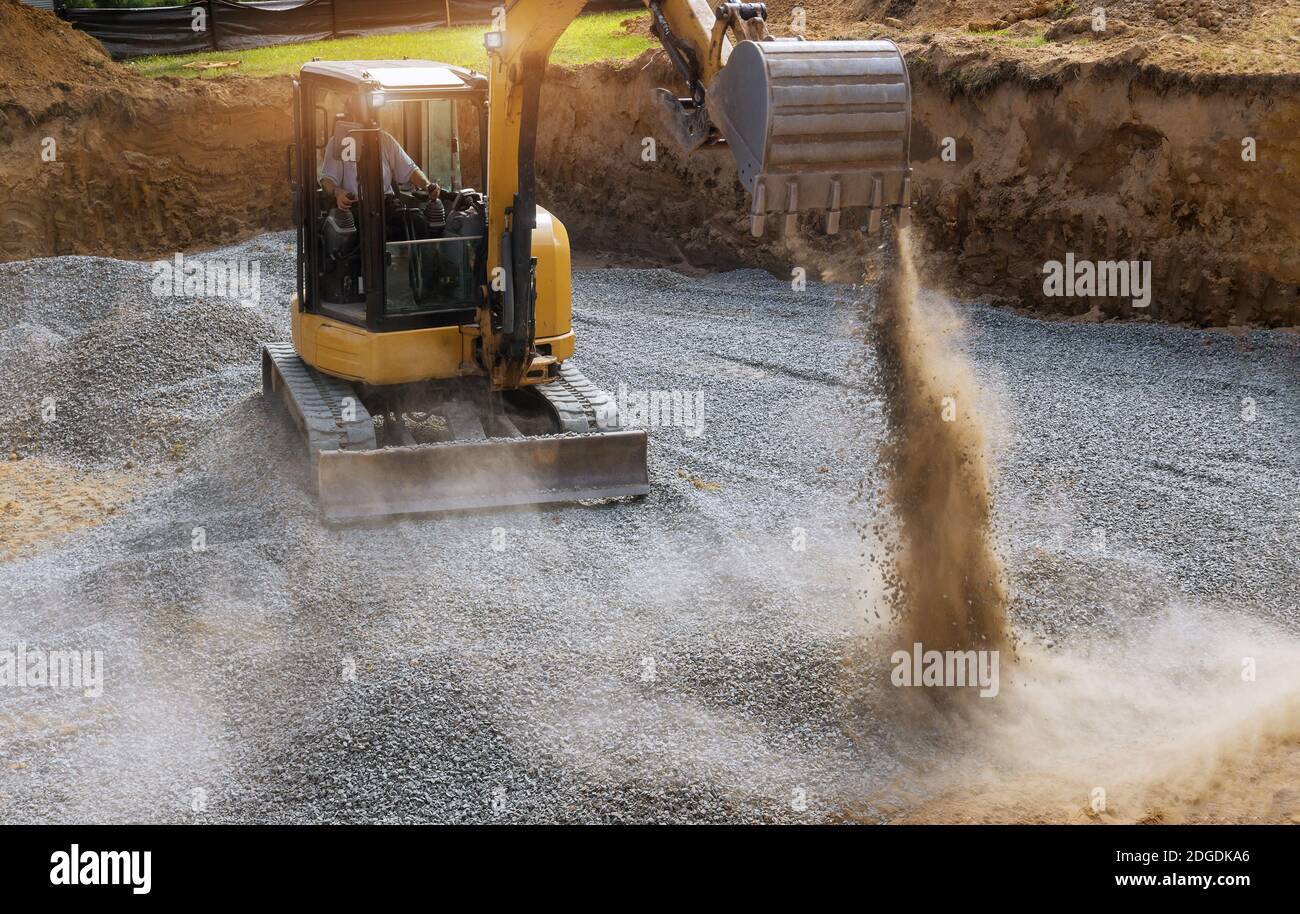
(1191, 714)
(1193, 717)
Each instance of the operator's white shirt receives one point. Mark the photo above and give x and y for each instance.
(396, 164)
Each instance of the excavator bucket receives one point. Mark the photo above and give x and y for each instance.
(491, 473)
(817, 125)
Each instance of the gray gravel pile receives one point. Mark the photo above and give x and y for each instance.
(132, 375)
(672, 659)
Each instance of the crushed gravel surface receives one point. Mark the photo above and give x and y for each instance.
(678, 658)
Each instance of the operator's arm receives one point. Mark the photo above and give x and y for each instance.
(341, 197)
(403, 167)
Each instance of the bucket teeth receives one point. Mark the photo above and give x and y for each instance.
(833, 210)
(873, 215)
(791, 221)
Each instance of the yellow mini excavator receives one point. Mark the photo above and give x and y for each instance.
(431, 361)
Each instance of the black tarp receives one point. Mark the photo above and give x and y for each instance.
(609, 6)
(464, 12)
(256, 25)
(148, 30)
(369, 17)
(208, 25)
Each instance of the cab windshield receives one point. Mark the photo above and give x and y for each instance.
(429, 253)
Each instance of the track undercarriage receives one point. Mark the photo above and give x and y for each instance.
(454, 446)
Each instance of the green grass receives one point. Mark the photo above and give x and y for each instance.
(595, 37)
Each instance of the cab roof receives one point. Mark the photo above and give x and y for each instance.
(398, 74)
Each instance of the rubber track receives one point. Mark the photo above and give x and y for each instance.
(317, 403)
(579, 405)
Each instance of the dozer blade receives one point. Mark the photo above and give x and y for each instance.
(491, 473)
(817, 125)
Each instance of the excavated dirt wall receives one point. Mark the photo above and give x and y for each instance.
(163, 168)
(1104, 161)
(96, 159)
(1115, 161)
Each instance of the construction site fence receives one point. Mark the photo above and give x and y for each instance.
(221, 25)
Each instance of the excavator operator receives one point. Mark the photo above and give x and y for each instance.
(339, 177)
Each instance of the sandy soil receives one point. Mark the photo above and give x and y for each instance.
(95, 159)
(41, 501)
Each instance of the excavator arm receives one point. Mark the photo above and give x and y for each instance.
(516, 67)
(813, 125)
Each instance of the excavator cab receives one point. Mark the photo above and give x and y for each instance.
(397, 256)
(386, 374)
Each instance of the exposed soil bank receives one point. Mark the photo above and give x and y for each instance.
(1105, 159)
(138, 173)
(1114, 161)
(97, 160)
